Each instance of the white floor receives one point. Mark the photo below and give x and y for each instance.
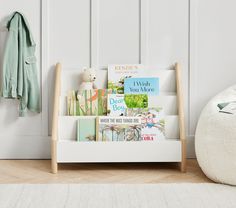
(121, 196)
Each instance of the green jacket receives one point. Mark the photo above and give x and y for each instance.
(20, 79)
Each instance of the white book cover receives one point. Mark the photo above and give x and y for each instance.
(153, 122)
(116, 105)
(118, 73)
(118, 128)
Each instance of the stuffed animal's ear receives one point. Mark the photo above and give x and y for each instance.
(84, 69)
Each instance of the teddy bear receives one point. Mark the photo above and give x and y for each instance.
(88, 79)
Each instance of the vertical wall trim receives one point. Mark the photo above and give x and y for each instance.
(140, 28)
(94, 53)
(193, 63)
(44, 65)
(144, 7)
(188, 84)
(90, 33)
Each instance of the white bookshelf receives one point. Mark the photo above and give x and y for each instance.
(66, 149)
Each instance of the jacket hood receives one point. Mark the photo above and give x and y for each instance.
(20, 16)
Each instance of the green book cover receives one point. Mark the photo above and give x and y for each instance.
(86, 129)
(136, 101)
(92, 102)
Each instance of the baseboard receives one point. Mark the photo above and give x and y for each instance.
(38, 147)
(25, 147)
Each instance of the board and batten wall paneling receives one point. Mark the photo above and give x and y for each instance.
(165, 40)
(69, 36)
(115, 32)
(93, 33)
(25, 137)
(69, 33)
(213, 46)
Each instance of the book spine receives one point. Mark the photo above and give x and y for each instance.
(74, 101)
(100, 107)
(97, 128)
(85, 101)
(71, 104)
(68, 103)
(77, 131)
(91, 102)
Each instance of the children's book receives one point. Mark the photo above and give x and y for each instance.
(87, 102)
(136, 101)
(153, 122)
(118, 128)
(71, 103)
(149, 86)
(86, 129)
(116, 105)
(118, 73)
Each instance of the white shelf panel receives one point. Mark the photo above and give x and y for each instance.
(67, 127)
(147, 151)
(71, 79)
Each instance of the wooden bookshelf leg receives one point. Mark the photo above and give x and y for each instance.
(180, 104)
(184, 161)
(55, 118)
(54, 164)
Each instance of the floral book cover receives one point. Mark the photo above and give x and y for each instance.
(118, 73)
(118, 128)
(87, 103)
(153, 122)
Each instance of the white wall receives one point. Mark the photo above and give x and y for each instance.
(95, 33)
(23, 137)
(212, 54)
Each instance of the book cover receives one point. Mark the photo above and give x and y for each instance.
(149, 86)
(153, 122)
(86, 129)
(136, 101)
(118, 128)
(116, 105)
(71, 103)
(87, 102)
(118, 73)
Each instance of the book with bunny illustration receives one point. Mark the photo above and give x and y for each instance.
(153, 122)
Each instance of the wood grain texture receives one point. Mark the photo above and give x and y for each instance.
(55, 118)
(180, 105)
(117, 195)
(38, 171)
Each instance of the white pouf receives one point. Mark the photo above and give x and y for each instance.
(215, 140)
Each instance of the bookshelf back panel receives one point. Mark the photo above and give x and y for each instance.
(68, 127)
(71, 79)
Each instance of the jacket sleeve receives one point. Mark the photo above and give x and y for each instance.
(10, 62)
